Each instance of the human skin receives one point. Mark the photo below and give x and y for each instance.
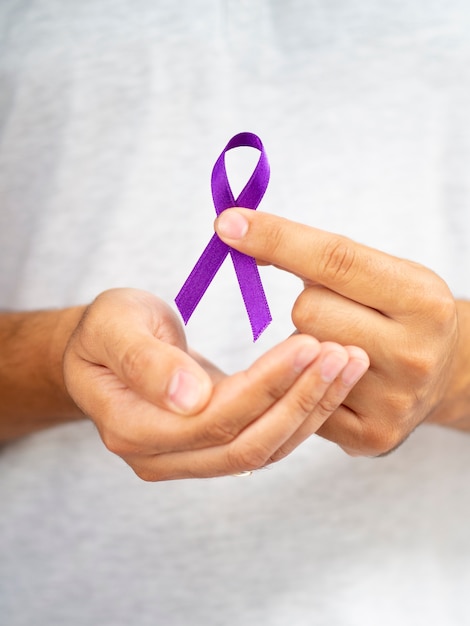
(123, 361)
(402, 314)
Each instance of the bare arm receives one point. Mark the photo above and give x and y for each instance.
(32, 390)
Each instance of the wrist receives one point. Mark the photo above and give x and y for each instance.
(454, 408)
(65, 322)
(32, 390)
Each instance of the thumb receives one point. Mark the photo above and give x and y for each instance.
(139, 340)
(164, 375)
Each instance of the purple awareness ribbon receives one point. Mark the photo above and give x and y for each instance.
(216, 250)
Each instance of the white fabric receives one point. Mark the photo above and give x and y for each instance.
(111, 116)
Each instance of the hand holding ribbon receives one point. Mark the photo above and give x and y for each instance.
(215, 252)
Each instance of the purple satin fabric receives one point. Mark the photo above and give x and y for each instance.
(215, 252)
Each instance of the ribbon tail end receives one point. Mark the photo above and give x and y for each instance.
(260, 327)
(182, 308)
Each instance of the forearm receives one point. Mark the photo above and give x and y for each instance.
(32, 391)
(454, 409)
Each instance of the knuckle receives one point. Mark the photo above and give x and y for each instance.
(305, 402)
(219, 432)
(420, 365)
(248, 457)
(338, 260)
(444, 309)
(271, 389)
(116, 440)
(425, 368)
(135, 361)
(280, 454)
(302, 313)
(147, 475)
(352, 452)
(156, 469)
(378, 440)
(400, 408)
(327, 405)
(115, 444)
(274, 239)
(437, 306)
(98, 308)
(384, 435)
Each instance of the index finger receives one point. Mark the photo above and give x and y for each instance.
(353, 270)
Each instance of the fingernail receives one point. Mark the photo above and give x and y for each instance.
(331, 366)
(231, 225)
(305, 356)
(353, 372)
(184, 390)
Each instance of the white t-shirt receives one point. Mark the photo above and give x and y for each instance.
(112, 113)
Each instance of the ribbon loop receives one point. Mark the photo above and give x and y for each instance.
(216, 250)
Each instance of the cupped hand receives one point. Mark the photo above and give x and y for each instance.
(401, 313)
(170, 414)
